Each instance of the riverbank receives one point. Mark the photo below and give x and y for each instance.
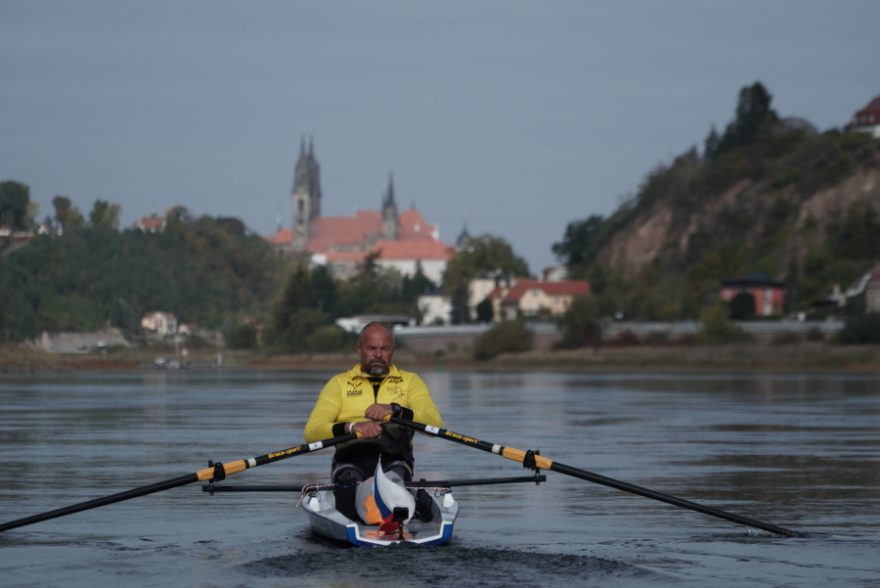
(801, 357)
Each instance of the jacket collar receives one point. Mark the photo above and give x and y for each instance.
(356, 372)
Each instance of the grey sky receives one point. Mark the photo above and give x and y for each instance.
(515, 117)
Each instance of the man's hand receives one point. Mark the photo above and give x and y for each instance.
(367, 429)
(379, 412)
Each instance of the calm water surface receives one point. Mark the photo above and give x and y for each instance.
(798, 451)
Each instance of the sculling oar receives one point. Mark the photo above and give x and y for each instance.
(212, 488)
(534, 460)
(217, 471)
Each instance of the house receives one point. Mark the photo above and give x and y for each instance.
(484, 284)
(867, 120)
(532, 298)
(150, 224)
(407, 255)
(403, 241)
(436, 309)
(159, 323)
(769, 295)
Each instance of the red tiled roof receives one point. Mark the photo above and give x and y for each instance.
(414, 226)
(564, 288)
(418, 248)
(868, 116)
(281, 237)
(330, 231)
(349, 235)
(495, 293)
(150, 222)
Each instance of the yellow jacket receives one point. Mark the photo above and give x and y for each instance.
(345, 398)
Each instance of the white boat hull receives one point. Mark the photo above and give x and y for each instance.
(319, 505)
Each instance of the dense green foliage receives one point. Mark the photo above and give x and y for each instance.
(206, 271)
(503, 337)
(716, 326)
(738, 209)
(742, 306)
(861, 329)
(15, 205)
(303, 316)
(580, 325)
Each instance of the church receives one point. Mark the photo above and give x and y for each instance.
(401, 240)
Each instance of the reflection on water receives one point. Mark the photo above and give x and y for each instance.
(799, 451)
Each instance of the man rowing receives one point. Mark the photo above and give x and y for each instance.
(359, 400)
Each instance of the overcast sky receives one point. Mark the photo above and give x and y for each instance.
(514, 117)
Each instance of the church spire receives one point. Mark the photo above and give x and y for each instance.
(390, 219)
(306, 194)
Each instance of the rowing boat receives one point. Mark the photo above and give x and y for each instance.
(432, 523)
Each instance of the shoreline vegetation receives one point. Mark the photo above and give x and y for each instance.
(744, 357)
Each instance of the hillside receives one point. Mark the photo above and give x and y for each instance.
(782, 199)
(206, 271)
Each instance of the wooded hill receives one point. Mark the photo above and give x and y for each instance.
(769, 195)
(208, 271)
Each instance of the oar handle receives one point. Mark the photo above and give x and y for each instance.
(545, 463)
(511, 453)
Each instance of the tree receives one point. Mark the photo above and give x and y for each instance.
(413, 287)
(716, 327)
(89, 277)
(15, 205)
(67, 215)
(581, 243)
(580, 323)
(710, 145)
(503, 337)
(105, 215)
(485, 253)
(485, 312)
(459, 313)
(742, 306)
(855, 236)
(703, 279)
(177, 216)
(753, 111)
(324, 290)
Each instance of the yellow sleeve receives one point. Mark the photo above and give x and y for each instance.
(421, 403)
(325, 413)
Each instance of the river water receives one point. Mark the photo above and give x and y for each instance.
(797, 451)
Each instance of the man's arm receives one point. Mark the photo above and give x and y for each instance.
(325, 413)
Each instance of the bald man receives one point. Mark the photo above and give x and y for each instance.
(358, 401)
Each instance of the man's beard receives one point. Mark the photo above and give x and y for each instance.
(377, 368)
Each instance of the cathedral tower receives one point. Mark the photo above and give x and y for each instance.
(306, 195)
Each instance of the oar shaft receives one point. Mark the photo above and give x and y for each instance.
(537, 479)
(669, 499)
(218, 471)
(95, 503)
(545, 463)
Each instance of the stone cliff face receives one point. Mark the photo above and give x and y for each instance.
(745, 212)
